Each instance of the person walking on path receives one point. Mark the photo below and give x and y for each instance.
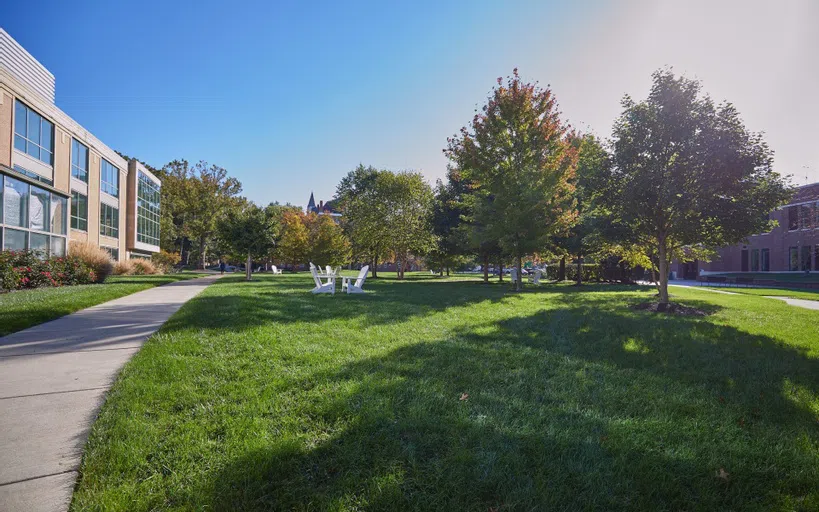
(222, 267)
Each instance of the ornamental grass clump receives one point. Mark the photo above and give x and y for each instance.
(98, 260)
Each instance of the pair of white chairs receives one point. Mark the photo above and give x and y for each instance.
(347, 283)
(533, 278)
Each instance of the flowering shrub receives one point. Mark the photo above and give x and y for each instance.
(30, 269)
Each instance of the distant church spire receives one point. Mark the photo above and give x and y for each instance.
(311, 204)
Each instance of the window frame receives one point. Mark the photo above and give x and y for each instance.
(108, 212)
(112, 188)
(34, 192)
(78, 174)
(29, 112)
(75, 211)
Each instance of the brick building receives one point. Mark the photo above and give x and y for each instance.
(792, 246)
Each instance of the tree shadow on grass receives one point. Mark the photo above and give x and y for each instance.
(580, 407)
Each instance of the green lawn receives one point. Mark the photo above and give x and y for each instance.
(453, 395)
(25, 308)
(800, 277)
(772, 292)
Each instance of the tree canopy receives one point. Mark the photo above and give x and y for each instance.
(687, 174)
(518, 155)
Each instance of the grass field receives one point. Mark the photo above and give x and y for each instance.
(25, 308)
(448, 394)
(772, 292)
(798, 277)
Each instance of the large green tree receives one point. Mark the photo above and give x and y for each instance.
(250, 231)
(687, 174)
(195, 199)
(517, 152)
(358, 199)
(586, 236)
(406, 200)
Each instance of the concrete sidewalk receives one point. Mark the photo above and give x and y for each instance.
(53, 379)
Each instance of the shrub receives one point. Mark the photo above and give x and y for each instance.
(96, 259)
(143, 267)
(124, 268)
(165, 261)
(591, 272)
(30, 269)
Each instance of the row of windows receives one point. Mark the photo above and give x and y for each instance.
(760, 260)
(799, 258)
(20, 240)
(32, 208)
(147, 210)
(109, 216)
(803, 216)
(31, 218)
(34, 135)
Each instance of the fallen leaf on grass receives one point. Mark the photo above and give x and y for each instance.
(464, 396)
(722, 474)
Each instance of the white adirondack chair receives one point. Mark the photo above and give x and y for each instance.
(329, 269)
(358, 286)
(275, 270)
(513, 275)
(328, 287)
(535, 278)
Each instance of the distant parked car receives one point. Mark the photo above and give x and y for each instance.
(228, 268)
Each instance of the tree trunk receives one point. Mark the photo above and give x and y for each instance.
(248, 268)
(441, 271)
(202, 251)
(519, 281)
(485, 268)
(663, 266)
(500, 273)
(447, 271)
(579, 270)
(374, 270)
(561, 272)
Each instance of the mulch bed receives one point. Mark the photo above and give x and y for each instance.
(671, 308)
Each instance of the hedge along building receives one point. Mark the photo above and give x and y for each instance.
(59, 182)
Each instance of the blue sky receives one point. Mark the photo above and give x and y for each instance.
(289, 96)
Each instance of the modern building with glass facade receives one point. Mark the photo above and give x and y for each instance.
(59, 183)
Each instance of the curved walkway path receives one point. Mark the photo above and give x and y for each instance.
(53, 379)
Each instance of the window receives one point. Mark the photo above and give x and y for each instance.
(109, 178)
(805, 216)
(15, 203)
(79, 211)
(33, 134)
(805, 257)
(793, 259)
(112, 251)
(32, 175)
(14, 240)
(109, 221)
(755, 260)
(79, 160)
(38, 209)
(793, 218)
(816, 257)
(59, 208)
(147, 210)
(766, 260)
(32, 217)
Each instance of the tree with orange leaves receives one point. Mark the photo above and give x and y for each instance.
(517, 154)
